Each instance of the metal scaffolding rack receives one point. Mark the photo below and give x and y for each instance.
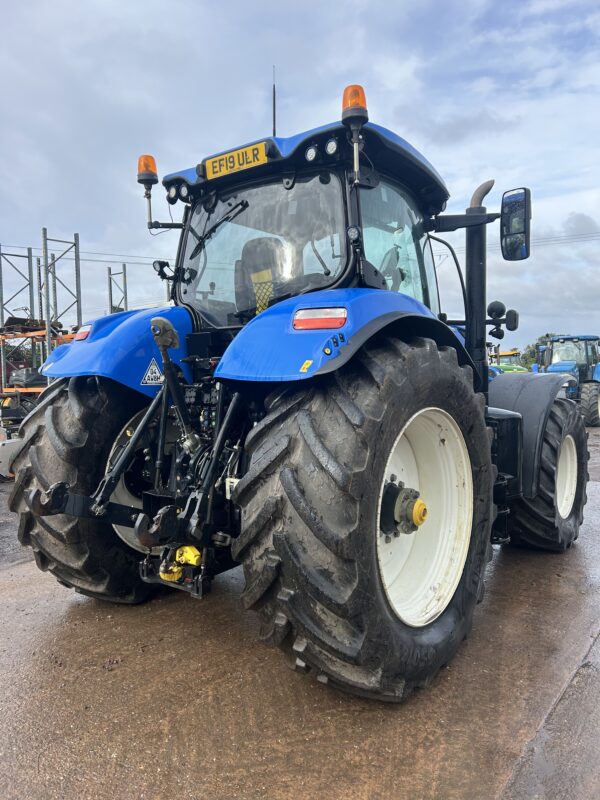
(48, 293)
(119, 287)
(50, 281)
(6, 260)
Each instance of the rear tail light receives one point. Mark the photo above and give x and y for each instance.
(82, 333)
(311, 319)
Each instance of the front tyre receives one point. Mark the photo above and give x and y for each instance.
(590, 404)
(551, 520)
(345, 569)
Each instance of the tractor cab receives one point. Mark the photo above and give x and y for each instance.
(282, 217)
(252, 244)
(580, 354)
(507, 360)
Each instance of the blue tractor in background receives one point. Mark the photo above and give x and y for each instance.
(306, 409)
(577, 355)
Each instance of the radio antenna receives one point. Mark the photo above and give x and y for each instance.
(274, 105)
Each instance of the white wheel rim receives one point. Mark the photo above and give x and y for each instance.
(566, 477)
(420, 571)
(121, 493)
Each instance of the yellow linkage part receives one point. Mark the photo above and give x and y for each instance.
(419, 512)
(187, 554)
(170, 572)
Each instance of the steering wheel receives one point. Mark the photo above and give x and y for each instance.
(390, 270)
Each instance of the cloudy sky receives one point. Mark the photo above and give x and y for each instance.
(484, 89)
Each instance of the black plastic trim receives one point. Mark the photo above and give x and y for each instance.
(531, 396)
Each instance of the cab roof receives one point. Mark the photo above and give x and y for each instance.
(389, 153)
(585, 337)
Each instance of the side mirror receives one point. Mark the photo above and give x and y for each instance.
(515, 224)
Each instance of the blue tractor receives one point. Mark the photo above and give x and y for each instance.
(578, 355)
(305, 409)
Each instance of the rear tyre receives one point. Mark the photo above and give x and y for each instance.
(67, 437)
(327, 585)
(590, 404)
(552, 519)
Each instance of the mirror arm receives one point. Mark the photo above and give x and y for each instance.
(452, 222)
(167, 225)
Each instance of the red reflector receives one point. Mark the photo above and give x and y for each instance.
(311, 319)
(82, 333)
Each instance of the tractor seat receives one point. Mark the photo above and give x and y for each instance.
(260, 266)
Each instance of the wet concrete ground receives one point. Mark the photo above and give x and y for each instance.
(178, 698)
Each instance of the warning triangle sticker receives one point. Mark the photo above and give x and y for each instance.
(153, 376)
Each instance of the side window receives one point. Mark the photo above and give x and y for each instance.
(395, 243)
(432, 284)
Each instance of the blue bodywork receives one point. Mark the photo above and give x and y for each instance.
(564, 366)
(567, 368)
(269, 349)
(121, 347)
(584, 337)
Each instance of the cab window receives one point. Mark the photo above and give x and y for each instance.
(396, 244)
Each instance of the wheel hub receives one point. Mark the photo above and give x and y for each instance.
(402, 510)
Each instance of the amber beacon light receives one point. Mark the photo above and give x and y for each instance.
(354, 104)
(147, 172)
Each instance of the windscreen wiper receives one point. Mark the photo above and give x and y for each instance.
(233, 212)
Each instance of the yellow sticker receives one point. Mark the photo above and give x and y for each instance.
(236, 160)
(305, 366)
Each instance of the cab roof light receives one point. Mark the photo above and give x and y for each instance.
(82, 333)
(312, 319)
(147, 172)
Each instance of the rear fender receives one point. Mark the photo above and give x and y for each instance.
(531, 396)
(269, 349)
(121, 347)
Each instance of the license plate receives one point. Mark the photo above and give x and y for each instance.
(236, 160)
